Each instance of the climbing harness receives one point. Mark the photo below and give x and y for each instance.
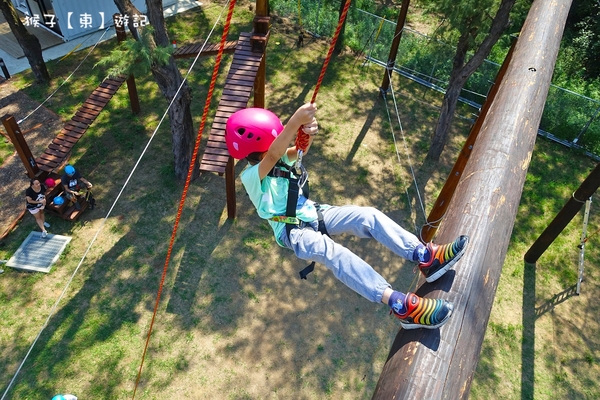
(283, 171)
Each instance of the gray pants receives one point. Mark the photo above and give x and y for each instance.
(364, 222)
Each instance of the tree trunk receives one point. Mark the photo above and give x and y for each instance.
(339, 45)
(169, 79)
(126, 7)
(461, 72)
(455, 85)
(28, 42)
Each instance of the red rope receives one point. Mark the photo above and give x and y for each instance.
(187, 183)
(302, 138)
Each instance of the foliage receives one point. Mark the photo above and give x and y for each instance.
(583, 30)
(135, 56)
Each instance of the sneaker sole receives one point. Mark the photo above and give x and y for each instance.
(408, 326)
(442, 271)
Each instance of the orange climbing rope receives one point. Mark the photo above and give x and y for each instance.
(187, 182)
(302, 138)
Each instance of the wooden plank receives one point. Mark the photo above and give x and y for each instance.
(219, 125)
(223, 113)
(82, 120)
(91, 107)
(240, 94)
(97, 100)
(216, 141)
(247, 62)
(215, 154)
(239, 73)
(48, 163)
(108, 88)
(78, 124)
(211, 168)
(52, 149)
(62, 142)
(45, 168)
(217, 148)
(82, 114)
(72, 134)
(239, 79)
(191, 50)
(59, 148)
(239, 65)
(98, 103)
(231, 95)
(111, 85)
(241, 83)
(65, 138)
(51, 157)
(98, 92)
(240, 88)
(231, 104)
(215, 159)
(70, 127)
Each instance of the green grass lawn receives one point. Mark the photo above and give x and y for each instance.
(234, 321)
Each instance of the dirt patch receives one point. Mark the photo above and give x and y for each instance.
(39, 126)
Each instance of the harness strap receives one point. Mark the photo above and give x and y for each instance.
(311, 267)
(281, 170)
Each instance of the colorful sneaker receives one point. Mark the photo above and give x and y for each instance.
(423, 313)
(442, 257)
(47, 225)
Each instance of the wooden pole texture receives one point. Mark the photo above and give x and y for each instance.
(443, 200)
(18, 141)
(385, 84)
(440, 363)
(262, 8)
(587, 188)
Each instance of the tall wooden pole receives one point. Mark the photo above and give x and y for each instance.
(562, 219)
(262, 8)
(440, 363)
(260, 37)
(385, 85)
(443, 200)
(18, 141)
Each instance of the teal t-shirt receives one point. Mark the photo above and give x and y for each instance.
(269, 196)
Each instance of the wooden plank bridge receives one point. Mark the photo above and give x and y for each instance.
(238, 88)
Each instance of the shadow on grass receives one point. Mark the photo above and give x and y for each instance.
(105, 310)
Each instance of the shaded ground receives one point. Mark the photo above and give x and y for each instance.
(38, 130)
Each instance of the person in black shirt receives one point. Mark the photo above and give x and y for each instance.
(73, 182)
(36, 202)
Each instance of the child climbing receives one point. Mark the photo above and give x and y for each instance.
(306, 227)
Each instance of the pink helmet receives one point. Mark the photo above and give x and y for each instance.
(251, 130)
(50, 183)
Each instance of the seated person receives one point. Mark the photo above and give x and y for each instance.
(72, 183)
